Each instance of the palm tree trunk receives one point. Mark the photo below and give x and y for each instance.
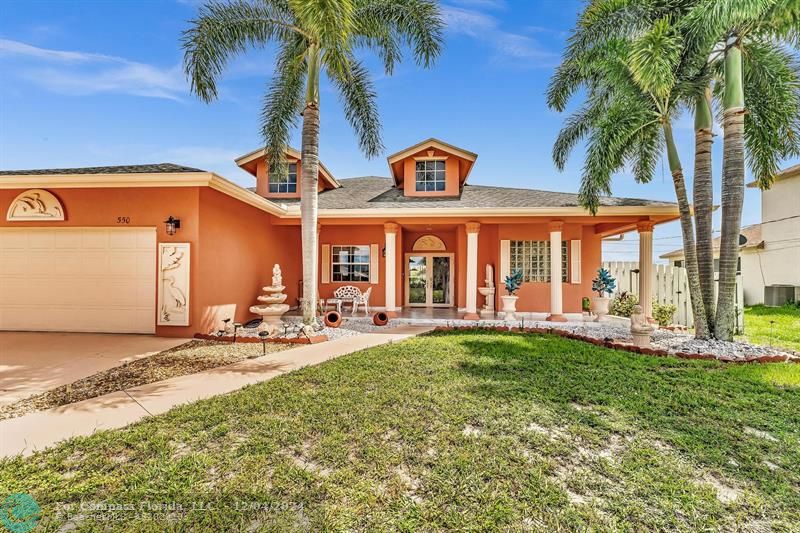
(687, 229)
(704, 202)
(308, 188)
(732, 191)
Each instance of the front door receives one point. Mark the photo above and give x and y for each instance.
(429, 280)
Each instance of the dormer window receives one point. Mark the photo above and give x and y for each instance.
(430, 175)
(288, 185)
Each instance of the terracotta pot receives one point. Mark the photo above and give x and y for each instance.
(380, 318)
(600, 308)
(333, 319)
(509, 307)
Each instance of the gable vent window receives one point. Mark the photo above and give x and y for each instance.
(288, 185)
(430, 176)
(533, 259)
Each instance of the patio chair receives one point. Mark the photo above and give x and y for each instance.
(362, 299)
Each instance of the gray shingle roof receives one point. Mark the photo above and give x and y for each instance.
(376, 192)
(156, 168)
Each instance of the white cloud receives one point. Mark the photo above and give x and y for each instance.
(506, 45)
(69, 72)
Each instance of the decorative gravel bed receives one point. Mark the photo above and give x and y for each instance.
(190, 358)
(673, 342)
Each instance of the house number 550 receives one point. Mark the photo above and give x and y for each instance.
(123, 220)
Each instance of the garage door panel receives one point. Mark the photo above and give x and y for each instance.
(69, 240)
(12, 262)
(38, 240)
(78, 279)
(97, 239)
(69, 265)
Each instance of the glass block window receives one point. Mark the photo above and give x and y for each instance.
(533, 259)
(287, 185)
(430, 176)
(350, 263)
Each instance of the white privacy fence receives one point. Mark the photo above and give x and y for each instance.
(670, 285)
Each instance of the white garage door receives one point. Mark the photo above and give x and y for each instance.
(78, 279)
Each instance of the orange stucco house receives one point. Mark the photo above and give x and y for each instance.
(89, 249)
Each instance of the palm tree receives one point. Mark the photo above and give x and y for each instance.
(634, 96)
(749, 33)
(312, 37)
(608, 32)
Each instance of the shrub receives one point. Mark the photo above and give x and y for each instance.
(622, 304)
(663, 313)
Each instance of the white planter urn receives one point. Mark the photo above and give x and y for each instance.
(509, 307)
(600, 307)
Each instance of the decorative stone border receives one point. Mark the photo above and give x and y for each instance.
(315, 339)
(627, 347)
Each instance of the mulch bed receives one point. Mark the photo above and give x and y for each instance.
(190, 358)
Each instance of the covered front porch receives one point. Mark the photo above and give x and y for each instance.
(438, 268)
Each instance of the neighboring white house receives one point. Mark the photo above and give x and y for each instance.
(769, 253)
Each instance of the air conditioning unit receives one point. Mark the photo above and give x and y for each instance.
(777, 295)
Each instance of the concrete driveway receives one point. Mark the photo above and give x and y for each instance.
(33, 362)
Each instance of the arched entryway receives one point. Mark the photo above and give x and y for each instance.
(429, 268)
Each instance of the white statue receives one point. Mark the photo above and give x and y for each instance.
(277, 276)
(641, 329)
(489, 275)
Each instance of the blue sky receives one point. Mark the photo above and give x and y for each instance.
(88, 83)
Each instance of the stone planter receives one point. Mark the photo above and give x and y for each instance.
(600, 308)
(510, 307)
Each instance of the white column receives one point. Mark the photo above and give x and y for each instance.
(556, 288)
(645, 229)
(390, 232)
(472, 271)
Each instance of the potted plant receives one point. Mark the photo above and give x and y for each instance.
(604, 285)
(512, 283)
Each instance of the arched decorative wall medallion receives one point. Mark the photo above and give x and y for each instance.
(35, 204)
(429, 243)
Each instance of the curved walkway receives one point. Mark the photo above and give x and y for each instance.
(37, 431)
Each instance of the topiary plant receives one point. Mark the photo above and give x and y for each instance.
(513, 282)
(604, 283)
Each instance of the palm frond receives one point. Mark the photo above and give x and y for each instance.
(417, 24)
(358, 98)
(222, 31)
(283, 103)
(772, 124)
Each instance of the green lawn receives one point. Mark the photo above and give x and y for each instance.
(463, 430)
(773, 326)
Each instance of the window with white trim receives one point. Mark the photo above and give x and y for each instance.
(430, 175)
(533, 259)
(287, 185)
(350, 263)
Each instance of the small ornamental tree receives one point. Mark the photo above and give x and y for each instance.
(604, 283)
(513, 282)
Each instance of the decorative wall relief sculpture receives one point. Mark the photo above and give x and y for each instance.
(429, 243)
(173, 284)
(35, 204)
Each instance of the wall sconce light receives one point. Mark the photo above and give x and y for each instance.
(383, 251)
(173, 225)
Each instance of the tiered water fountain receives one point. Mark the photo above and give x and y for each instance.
(273, 308)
